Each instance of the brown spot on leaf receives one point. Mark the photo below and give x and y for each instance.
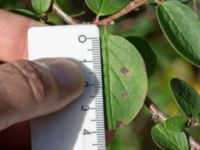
(120, 124)
(126, 72)
(124, 95)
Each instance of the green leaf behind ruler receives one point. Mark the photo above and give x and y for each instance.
(106, 7)
(186, 96)
(41, 6)
(166, 136)
(147, 53)
(182, 28)
(125, 80)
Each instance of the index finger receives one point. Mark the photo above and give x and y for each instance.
(13, 35)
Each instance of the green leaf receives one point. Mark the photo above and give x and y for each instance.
(68, 7)
(183, 1)
(147, 53)
(187, 97)
(106, 7)
(152, 2)
(125, 80)
(165, 137)
(26, 12)
(181, 27)
(176, 124)
(41, 6)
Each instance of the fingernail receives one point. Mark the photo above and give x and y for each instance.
(68, 74)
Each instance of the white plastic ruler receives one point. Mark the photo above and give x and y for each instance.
(81, 125)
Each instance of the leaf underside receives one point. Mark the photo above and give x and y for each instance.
(125, 80)
(106, 7)
(182, 29)
(26, 12)
(186, 96)
(170, 136)
(41, 6)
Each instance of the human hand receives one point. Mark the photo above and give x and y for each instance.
(25, 86)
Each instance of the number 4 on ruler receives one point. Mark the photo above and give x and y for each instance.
(85, 132)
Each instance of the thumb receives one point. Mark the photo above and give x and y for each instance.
(31, 89)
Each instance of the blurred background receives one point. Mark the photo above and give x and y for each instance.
(142, 23)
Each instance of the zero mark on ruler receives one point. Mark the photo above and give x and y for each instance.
(82, 38)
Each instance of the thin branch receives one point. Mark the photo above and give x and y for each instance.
(159, 115)
(133, 5)
(68, 19)
(155, 110)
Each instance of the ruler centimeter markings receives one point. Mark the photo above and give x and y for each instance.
(80, 126)
(100, 131)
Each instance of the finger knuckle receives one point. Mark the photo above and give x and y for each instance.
(32, 76)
